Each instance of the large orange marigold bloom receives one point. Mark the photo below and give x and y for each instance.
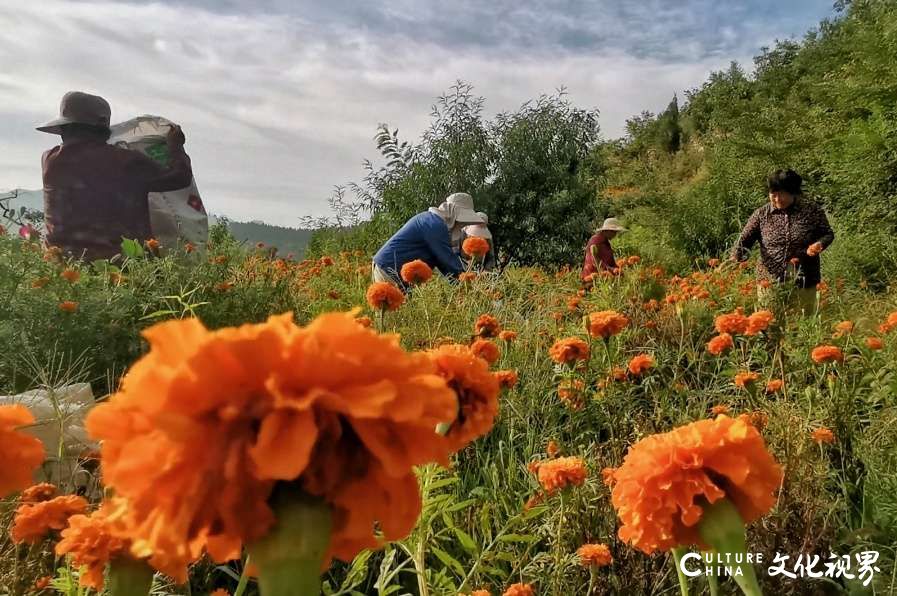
(475, 246)
(68, 306)
(746, 378)
(486, 326)
(20, 453)
(569, 350)
(558, 474)
(70, 275)
(606, 323)
(37, 493)
(823, 435)
(382, 295)
(519, 590)
(874, 343)
(640, 364)
(759, 322)
(33, 521)
(824, 354)
(486, 349)
(93, 541)
(477, 392)
(733, 323)
(207, 422)
(665, 477)
(719, 344)
(843, 328)
(507, 335)
(594, 555)
(416, 272)
(774, 385)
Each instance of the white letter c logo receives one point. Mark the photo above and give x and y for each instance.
(685, 558)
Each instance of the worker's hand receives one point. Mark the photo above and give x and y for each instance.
(176, 136)
(814, 249)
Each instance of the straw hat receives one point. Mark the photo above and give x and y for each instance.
(612, 224)
(79, 108)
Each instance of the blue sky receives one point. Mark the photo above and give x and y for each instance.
(280, 98)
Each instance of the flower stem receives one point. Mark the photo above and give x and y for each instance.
(244, 577)
(129, 577)
(290, 557)
(683, 581)
(722, 528)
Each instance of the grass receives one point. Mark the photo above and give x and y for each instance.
(474, 531)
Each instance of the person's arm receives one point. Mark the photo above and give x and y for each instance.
(606, 256)
(158, 178)
(749, 236)
(822, 231)
(440, 244)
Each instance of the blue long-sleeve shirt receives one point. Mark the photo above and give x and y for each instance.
(425, 237)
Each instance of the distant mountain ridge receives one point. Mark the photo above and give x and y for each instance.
(286, 240)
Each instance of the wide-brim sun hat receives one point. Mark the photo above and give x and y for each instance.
(77, 107)
(463, 209)
(612, 224)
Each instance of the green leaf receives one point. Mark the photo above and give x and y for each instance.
(466, 540)
(448, 560)
(131, 248)
(525, 538)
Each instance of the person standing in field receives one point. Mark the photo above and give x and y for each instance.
(599, 254)
(95, 194)
(792, 232)
(427, 236)
(481, 230)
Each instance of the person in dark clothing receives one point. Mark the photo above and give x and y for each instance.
(599, 253)
(792, 232)
(95, 194)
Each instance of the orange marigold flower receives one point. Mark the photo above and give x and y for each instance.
(719, 409)
(70, 275)
(552, 449)
(719, 344)
(843, 328)
(569, 350)
(733, 323)
(476, 390)
(416, 272)
(481, 593)
(486, 349)
(364, 321)
(189, 247)
(42, 583)
(337, 409)
(573, 303)
(558, 474)
(890, 323)
(607, 476)
(475, 246)
(823, 435)
(570, 392)
(93, 541)
(507, 335)
(874, 343)
(507, 379)
(758, 322)
(519, 590)
(774, 385)
(746, 378)
(20, 453)
(152, 244)
(665, 478)
(594, 555)
(606, 323)
(37, 493)
(640, 364)
(68, 306)
(486, 326)
(467, 276)
(824, 354)
(382, 295)
(33, 521)
(713, 262)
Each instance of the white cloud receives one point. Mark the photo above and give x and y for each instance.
(278, 109)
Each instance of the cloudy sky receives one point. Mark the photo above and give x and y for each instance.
(280, 98)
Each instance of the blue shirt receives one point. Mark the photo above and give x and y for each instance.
(426, 237)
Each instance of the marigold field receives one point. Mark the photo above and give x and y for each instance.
(790, 419)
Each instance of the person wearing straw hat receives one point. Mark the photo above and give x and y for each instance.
(95, 194)
(427, 236)
(481, 230)
(599, 253)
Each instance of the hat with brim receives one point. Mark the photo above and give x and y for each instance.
(80, 108)
(612, 224)
(462, 208)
